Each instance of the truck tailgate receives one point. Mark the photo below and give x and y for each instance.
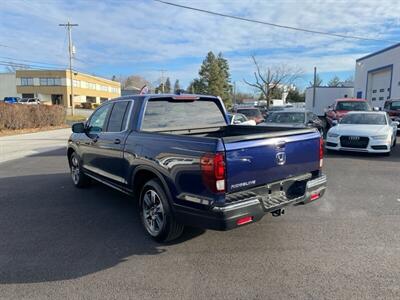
(261, 161)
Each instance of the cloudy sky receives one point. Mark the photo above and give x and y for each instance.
(144, 36)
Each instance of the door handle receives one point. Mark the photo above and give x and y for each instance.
(117, 141)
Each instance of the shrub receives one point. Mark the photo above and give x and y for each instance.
(86, 105)
(95, 105)
(19, 116)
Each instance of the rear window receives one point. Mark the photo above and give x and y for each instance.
(250, 112)
(286, 117)
(162, 115)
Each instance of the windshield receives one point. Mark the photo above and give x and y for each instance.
(285, 117)
(366, 119)
(250, 112)
(276, 108)
(352, 105)
(395, 105)
(164, 115)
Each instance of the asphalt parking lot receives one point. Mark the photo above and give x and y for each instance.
(61, 242)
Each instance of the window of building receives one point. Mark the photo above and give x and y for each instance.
(104, 88)
(91, 86)
(26, 81)
(381, 90)
(373, 98)
(373, 91)
(76, 83)
(381, 98)
(50, 81)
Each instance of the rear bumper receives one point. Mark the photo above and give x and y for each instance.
(226, 217)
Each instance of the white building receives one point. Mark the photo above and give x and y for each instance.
(8, 85)
(325, 96)
(377, 76)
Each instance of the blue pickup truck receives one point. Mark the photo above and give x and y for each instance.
(179, 157)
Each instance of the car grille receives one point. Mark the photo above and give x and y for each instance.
(354, 141)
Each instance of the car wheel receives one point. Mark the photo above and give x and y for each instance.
(79, 179)
(156, 215)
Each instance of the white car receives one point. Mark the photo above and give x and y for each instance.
(366, 131)
(240, 119)
(29, 101)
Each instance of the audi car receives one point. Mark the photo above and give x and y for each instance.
(372, 132)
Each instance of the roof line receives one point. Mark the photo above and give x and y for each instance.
(378, 52)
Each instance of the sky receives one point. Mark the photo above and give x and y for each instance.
(143, 37)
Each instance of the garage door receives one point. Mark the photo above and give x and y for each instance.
(379, 86)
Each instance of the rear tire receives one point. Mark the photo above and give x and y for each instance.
(79, 179)
(156, 214)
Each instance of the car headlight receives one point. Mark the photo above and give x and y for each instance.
(380, 137)
(333, 135)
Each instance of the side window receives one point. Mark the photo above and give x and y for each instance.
(240, 118)
(98, 119)
(118, 116)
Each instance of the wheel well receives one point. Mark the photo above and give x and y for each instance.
(141, 177)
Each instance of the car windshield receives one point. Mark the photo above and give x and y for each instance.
(286, 117)
(395, 105)
(365, 119)
(352, 105)
(250, 112)
(276, 108)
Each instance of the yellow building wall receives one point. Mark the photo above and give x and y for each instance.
(65, 90)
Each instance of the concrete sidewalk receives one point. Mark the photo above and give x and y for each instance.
(22, 145)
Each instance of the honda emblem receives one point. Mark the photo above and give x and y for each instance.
(281, 158)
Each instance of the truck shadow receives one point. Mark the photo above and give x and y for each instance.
(53, 231)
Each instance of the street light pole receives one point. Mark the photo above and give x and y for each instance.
(70, 52)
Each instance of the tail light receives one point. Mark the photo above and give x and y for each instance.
(321, 152)
(213, 171)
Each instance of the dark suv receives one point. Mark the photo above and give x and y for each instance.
(392, 107)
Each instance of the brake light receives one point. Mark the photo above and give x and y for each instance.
(244, 220)
(314, 196)
(321, 152)
(213, 171)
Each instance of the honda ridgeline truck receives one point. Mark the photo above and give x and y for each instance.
(179, 157)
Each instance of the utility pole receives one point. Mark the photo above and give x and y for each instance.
(70, 50)
(234, 93)
(315, 83)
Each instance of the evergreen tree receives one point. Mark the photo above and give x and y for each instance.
(167, 87)
(177, 87)
(295, 96)
(214, 77)
(197, 86)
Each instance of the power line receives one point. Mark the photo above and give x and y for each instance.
(275, 25)
(31, 61)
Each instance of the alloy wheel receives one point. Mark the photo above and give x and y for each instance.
(153, 212)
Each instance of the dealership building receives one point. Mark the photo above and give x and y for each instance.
(377, 76)
(54, 86)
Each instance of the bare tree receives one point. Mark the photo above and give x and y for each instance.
(271, 79)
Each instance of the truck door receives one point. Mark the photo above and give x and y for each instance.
(109, 147)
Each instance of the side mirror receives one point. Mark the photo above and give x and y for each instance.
(395, 123)
(78, 127)
(334, 122)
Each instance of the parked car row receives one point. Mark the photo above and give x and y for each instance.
(18, 100)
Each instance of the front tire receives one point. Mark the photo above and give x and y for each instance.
(156, 214)
(79, 179)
